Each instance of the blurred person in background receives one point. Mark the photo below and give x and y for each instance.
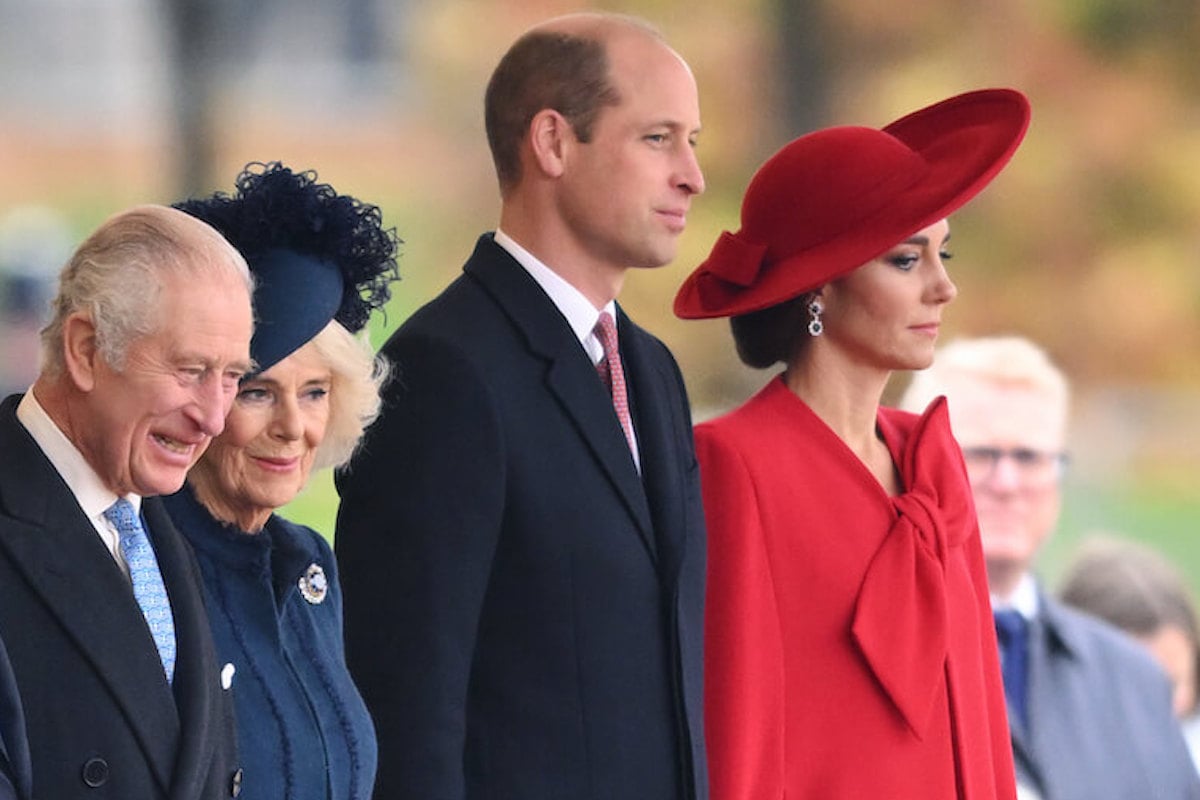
(1089, 710)
(1135, 588)
(321, 263)
(521, 532)
(849, 650)
(101, 605)
(34, 242)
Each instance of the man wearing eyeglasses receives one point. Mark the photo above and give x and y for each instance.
(1089, 713)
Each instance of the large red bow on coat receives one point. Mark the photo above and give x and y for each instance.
(900, 622)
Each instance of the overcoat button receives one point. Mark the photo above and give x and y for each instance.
(95, 772)
(235, 783)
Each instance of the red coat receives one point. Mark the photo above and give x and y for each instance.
(850, 651)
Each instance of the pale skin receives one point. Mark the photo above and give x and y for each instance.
(1015, 518)
(1173, 649)
(265, 455)
(142, 427)
(591, 211)
(881, 317)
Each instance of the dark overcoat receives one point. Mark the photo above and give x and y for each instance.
(102, 720)
(523, 609)
(15, 770)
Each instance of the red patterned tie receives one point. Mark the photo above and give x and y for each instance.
(613, 375)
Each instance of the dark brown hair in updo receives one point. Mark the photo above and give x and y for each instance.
(766, 337)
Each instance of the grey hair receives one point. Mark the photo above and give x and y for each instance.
(354, 402)
(1002, 360)
(116, 277)
(1131, 585)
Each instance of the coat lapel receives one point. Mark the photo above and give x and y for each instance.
(1022, 751)
(66, 564)
(570, 377)
(1051, 648)
(659, 424)
(196, 675)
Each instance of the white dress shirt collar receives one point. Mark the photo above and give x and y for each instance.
(1024, 598)
(83, 482)
(579, 312)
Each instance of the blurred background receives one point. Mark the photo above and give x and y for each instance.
(1088, 243)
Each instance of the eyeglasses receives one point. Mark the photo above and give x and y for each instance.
(1033, 468)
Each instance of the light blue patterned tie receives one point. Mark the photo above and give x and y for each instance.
(148, 586)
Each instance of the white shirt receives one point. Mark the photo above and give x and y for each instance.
(579, 312)
(89, 491)
(1191, 735)
(1023, 599)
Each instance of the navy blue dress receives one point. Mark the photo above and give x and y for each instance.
(276, 612)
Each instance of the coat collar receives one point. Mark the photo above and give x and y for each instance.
(275, 555)
(1060, 635)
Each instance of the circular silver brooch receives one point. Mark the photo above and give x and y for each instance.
(313, 584)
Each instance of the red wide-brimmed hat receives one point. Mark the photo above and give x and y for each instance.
(831, 201)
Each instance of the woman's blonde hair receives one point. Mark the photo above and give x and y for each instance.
(357, 377)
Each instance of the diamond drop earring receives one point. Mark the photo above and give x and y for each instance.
(815, 308)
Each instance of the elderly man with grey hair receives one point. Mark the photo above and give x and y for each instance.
(1089, 711)
(100, 601)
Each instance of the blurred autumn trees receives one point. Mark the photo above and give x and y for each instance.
(1089, 242)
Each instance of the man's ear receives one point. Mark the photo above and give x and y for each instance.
(550, 137)
(80, 350)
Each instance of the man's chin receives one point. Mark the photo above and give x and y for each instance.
(1007, 559)
(162, 484)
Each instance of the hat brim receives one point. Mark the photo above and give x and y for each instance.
(963, 141)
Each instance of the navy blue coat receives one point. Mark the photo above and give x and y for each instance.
(1100, 719)
(304, 731)
(15, 769)
(523, 610)
(102, 719)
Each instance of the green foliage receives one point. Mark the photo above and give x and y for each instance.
(1111, 28)
(316, 506)
(1165, 519)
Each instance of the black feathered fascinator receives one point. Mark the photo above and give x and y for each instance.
(316, 255)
